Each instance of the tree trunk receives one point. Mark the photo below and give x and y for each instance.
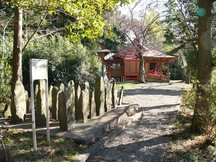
(142, 68)
(17, 59)
(204, 68)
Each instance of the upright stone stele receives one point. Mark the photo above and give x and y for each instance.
(121, 96)
(66, 107)
(78, 110)
(92, 105)
(70, 105)
(7, 110)
(50, 97)
(108, 97)
(54, 102)
(27, 101)
(62, 111)
(40, 113)
(84, 102)
(114, 94)
(19, 109)
(99, 96)
(61, 89)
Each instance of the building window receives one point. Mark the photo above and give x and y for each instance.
(116, 66)
(152, 66)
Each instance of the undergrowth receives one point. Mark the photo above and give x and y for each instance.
(19, 147)
(184, 146)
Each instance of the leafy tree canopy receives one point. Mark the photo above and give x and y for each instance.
(88, 14)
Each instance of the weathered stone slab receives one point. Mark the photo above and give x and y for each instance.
(70, 104)
(54, 110)
(121, 96)
(7, 110)
(27, 101)
(62, 111)
(114, 94)
(19, 109)
(61, 89)
(50, 97)
(108, 97)
(40, 106)
(78, 110)
(84, 101)
(66, 107)
(92, 112)
(99, 96)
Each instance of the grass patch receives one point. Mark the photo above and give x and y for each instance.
(184, 147)
(19, 146)
(129, 84)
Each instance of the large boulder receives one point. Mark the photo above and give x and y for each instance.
(18, 103)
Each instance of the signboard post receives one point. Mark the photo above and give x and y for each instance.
(38, 71)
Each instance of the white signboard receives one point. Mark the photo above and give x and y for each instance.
(38, 71)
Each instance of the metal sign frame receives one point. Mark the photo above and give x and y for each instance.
(39, 71)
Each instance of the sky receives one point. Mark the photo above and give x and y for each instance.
(158, 5)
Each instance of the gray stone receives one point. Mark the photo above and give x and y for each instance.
(40, 106)
(108, 97)
(84, 102)
(7, 110)
(27, 101)
(92, 112)
(19, 109)
(62, 111)
(78, 110)
(66, 107)
(85, 85)
(121, 96)
(50, 97)
(99, 96)
(70, 104)
(114, 94)
(54, 102)
(61, 89)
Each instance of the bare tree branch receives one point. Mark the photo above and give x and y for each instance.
(35, 31)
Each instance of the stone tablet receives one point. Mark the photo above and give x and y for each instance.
(54, 102)
(108, 97)
(40, 114)
(78, 110)
(99, 96)
(92, 112)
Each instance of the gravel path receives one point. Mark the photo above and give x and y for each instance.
(145, 140)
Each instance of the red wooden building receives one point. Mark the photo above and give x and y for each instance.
(125, 65)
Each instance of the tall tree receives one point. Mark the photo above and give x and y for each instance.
(181, 33)
(138, 27)
(88, 23)
(204, 65)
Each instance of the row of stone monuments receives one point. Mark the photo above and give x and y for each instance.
(72, 103)
(78, 103)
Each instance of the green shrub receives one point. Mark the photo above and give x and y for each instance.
(5, 77)
(66, 61)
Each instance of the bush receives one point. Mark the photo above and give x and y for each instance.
(66, 61)
(5, 77)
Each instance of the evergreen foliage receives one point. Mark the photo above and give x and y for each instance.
(67, 61)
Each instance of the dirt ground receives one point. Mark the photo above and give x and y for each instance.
(145, 140)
